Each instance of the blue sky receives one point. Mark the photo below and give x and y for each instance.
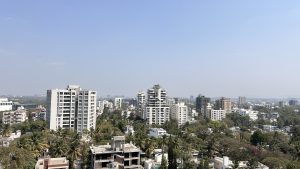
(217, 48)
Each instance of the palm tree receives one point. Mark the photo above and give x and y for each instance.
(58, 148)
(148, 147)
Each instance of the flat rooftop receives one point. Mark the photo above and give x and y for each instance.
(105, 149)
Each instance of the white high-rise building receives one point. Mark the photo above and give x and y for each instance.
(156, 111)
(71, 108)
(118, 103)
(141, 101)
(5, 105)
(179, 112)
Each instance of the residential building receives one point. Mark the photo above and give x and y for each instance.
(269, 128)
(156, 162)
(242, 101)
(52, 163)
(156, 111)
(118, 153)
(253, 115)
(224, 104)
(293, 102)
(179, 112)
(71, 108)
(283, 104)
(141, 102)
(5, 105)
(14, 117)
(157, 132)
(216, 115)
(129, 129)
(118, 103)
(225, 163)
(201, 103)
(104, 104)
(5, 140)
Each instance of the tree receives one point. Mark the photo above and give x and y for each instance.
(163, 162)
(258, 138)
(6, 130)
(172, 152)
(203, 164)
(252, 163)
(74, 151)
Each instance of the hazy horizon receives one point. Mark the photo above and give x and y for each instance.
(225, 48)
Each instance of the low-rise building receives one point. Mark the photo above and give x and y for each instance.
(128, 129)
(157, 132)
(156, 162)
(5, 141)
(118, 153)
(52, 163)
(225, 163)
(14, 117)
(253, 115)
(269, 128)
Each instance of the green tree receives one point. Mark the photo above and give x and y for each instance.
(258, 138)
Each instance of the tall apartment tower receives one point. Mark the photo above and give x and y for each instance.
(223, 104)
(241, 101)
(180, 112)
(71, 108)
(201, 104)
(141, 101)
(156, 111)
(118, 103)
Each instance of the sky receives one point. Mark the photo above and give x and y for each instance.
(117, 47)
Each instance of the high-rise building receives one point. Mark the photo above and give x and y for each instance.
(241, 101)
(179, 112)
(201, 103)
(223, 104)
(156, 110)
(216, 115)
(71, 108)
(141, 101)
(282, 103)
(118, 103)
(293, 102)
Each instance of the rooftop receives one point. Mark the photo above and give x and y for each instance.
(102, 149)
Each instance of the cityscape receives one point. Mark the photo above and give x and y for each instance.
(149, 84)
(74, 128)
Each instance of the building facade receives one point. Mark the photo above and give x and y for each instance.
(5, 105)
(71, 108)
(156, 110)
(141, 101)
(180, 112)
(117, 154)
(52, 163)
(118, 103)
(241, 101)
(14, 117)
(216, 115)
(223, 104)
(201, 103)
